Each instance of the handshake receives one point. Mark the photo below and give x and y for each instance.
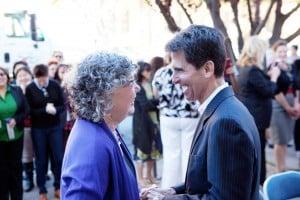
(50, 109)
(155, 193)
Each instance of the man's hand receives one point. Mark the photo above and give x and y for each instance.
(155, 193)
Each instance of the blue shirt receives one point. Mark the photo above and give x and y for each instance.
(95, 167)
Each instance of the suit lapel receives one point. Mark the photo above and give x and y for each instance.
(198, 130)
(217, 100)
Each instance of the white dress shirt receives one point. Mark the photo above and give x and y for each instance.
(203, 106)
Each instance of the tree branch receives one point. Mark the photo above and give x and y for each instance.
(165, 11)
(250, 13)
(185, 12)
(278, 23)
(214, 9)
(234, 6)
(263, 22)
(292, 11)
(293, 35)
(257, 12)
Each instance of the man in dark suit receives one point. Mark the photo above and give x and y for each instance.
(224, 160)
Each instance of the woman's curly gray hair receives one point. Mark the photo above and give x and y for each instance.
(92, 83)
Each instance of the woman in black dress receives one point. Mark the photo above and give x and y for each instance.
(145, 125)
(256, 89)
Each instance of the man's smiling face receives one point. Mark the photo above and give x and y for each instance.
(191, 79)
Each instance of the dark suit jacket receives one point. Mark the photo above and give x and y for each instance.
(224, 161)
(256, 92)
(22, 106)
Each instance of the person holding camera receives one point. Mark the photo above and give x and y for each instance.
(285, 106)
(45, 98)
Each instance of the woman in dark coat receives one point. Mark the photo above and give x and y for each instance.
(256, 89)
(145, 125)
(13, 109)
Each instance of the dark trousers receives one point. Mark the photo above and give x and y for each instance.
(11, 169)
(263, 170)
(43, 138)
(297, 135)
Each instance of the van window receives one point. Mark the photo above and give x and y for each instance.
(16, 25)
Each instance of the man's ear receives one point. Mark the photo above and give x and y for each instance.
(209, 69)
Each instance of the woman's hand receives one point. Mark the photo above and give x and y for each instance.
(274, 73)
(292, 111)
(12, 123)
(297, 107)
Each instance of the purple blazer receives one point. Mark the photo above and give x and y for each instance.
(95, 167)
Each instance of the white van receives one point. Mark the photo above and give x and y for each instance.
(21, 39)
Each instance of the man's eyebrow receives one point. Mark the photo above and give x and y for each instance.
(177, 69)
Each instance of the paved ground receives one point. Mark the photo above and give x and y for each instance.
(33, 195)
(125, 128)
(292, 163)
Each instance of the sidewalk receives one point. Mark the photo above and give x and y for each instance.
(291, 162)
(34, 194)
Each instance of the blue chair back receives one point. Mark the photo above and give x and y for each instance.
(282, 186)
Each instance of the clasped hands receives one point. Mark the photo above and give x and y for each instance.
(155, 193)
(294, 111)
(50, 109)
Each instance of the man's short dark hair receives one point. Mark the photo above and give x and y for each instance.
(40, 70)
(199, 45)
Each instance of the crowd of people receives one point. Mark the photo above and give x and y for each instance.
(211, 137)
(35, 116)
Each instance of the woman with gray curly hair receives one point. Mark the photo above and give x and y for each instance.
(97, 163)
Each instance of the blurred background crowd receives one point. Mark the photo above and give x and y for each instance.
(36, 115)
